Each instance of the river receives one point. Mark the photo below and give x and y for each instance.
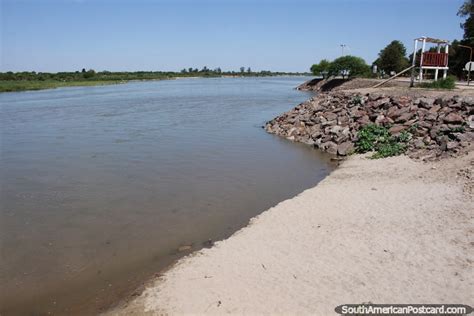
(101, 185)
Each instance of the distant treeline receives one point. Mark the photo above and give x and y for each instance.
(92, 75)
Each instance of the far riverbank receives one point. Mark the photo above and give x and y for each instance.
(30, 85)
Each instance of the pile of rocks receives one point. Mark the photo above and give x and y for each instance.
(439, 126)
(338, 84)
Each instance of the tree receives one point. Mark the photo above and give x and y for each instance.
(242, 69)
(467, 10)
(459, 56)
(393, 58)
(249, 70)
(348, 66)
(89, 74)
(321, 69)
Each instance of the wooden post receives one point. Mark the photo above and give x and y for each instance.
(421, 58)
(413, 64)
(393, 77)
(446, 50)
(438, 50)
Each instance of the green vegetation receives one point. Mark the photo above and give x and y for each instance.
(321, 69)
(20, 81)
(11, 85)
(392, 58)
(449, 83)
(345, 66)
(459, 56)
(379, 139)
(349, 66)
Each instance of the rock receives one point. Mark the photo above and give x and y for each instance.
(455, 105)
(380, 102)
(329, 147)
(440, 102)
(345, 149)
(397, 129)
(464, 137)
(330, 116)
(419, 143)
(402, 101)
(308, 141)
(451, 145)
(425, 124)
(453, 118)
(336, 129)
(468, 101)
(208, 243)
(185, 248)
(358, 113)
(434, 108)
(411, 122)
(443, 143)
(316, 134)
(364, 120)
(331, 121)
(425, 102)
(328, 123)
(343, 120)
(404, 117)
(292, 132)
(421, 131)
(431, 117)
(399, 112)
(380, 119)
(392, 112)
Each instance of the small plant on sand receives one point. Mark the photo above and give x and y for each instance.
(379, 139)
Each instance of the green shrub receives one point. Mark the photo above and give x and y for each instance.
(378, 139)
(449, 83)
(356, 67)
(357, 100)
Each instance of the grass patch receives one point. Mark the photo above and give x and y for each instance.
(448, 84)
(19, 85)
(379, 140)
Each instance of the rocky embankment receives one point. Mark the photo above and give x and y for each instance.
(338, 84)
(438, 126)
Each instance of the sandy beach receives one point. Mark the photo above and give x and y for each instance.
(392, 230)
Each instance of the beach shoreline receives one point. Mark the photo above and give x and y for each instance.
(383, 231)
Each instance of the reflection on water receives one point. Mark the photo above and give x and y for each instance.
(101, 185)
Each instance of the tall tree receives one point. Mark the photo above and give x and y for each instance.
(348, 66)
(459, 56)
(392, 58)
(467, 11)
(321, 69)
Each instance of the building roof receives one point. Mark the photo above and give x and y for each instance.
(432, 40)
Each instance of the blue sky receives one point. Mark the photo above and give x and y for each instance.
(284, 35)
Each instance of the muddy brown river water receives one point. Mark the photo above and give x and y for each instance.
(100, 185)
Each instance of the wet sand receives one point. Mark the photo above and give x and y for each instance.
(381, 231)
